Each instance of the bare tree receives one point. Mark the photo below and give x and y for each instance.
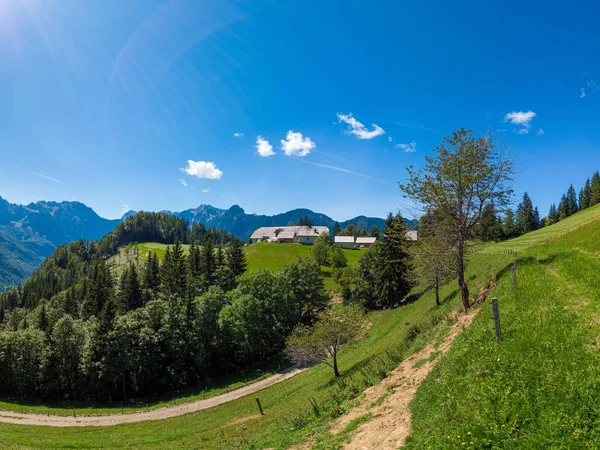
(466, 174)
(334, 327)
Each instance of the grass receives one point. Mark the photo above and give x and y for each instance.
(190, 394)
(289, 416)
(263, 255)
(538, 387)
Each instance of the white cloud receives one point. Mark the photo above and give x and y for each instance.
(522, 119)
(358, 129)
(296, 145)
(238, 135)
(125, 208)
(203, 169)
(263, 148)
(540, 132)
(592, 85)
(206, 189)
(582, 93)
(410, 148)
(182, 181)
(390, 139)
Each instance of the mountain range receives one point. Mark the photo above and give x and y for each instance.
(29, 233)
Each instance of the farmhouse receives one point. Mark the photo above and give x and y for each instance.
(364, 242)
(301, 234)
(344, 241)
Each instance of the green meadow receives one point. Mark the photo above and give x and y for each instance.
(537, 388)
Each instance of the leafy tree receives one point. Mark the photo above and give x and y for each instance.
(336, 326)
(338, 259)
(321, 248)
(434, 257)
(464, 175)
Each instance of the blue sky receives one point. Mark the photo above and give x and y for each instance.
(106, 102)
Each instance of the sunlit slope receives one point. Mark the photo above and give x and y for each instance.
(538, 387)
(265, 255)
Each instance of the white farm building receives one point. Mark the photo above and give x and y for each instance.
(300, 234)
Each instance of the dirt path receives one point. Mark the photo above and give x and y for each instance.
(157, 414)
(390, 425)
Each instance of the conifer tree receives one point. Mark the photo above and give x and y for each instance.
(130, 289)
(571, 201)
(151, 279)
(207, 259)
(173, 272)
(236, 259)
(563, 208)
(587, 195)
(525, 216)
(508, 224)
(595, 189)
(336, 229)
(374, 231)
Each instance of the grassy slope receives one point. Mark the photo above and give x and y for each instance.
(289, 418)
(538, 388)
(268, 256)
(516, 394)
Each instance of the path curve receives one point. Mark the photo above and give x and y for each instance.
(156, 414)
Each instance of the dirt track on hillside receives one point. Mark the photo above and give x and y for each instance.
(391, 423)
(156, 414)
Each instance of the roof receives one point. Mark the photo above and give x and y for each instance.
(271, 232)
(286, 235)
(311, 231)
(412, 235)
(344, 239)
(365, 240)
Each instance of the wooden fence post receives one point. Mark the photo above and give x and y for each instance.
(496, 318)
(514, 272)
(259, 407)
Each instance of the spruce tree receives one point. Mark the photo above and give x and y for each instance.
(374, 231)
(587, 195)
(563, 208)
(336, 229)
(571, 201)
(395, 262)
(130, 289)
(173, 272)
(207, 259)
(236, 259)
(508, 224)
(595, 189)
(525, 215)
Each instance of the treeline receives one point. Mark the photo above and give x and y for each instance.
(80, 260)
(356, 231)
(157, 326)
(570, 203)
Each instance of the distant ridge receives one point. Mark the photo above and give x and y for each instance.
(29, 233)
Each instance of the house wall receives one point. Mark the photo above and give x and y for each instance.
(307, 240)
(344, 244)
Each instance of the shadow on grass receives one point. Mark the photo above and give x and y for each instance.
(219, 385)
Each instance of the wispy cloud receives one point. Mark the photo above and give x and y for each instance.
(417, 126)
(358, 129)
(182, 181)
(390, 139)
(540, 132)
(202, 169)
(263, 148)
(238, 135)
(206, 189)
(522, 119)
(295, 144)
(125, 208)
(583, 94)
(410, 148)
(46, 177)
(341, 169)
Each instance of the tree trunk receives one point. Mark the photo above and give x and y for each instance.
(460, 272)
(437, 292)
(335, 366)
